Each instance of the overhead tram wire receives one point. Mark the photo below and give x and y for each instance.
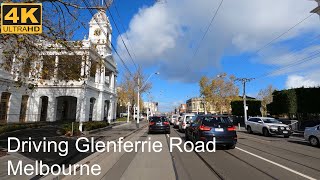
(123, 63)
(206, 32)
(295, 63)
(122, 39)
(120, 20)
(270, 42)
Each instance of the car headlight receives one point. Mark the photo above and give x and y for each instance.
(274, 127)
(288, 128)
(282, 128)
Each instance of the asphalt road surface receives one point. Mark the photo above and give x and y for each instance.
(255, 157)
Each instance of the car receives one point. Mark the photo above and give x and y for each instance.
(185, 121)
(177, 122)
(159, 124)
(312, 134)
(267, 126)
(173, 118)
(205, 127)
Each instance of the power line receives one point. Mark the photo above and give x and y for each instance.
(207, 30)
(122, 39)
(270, 42)
(295, 63)
(123, 63)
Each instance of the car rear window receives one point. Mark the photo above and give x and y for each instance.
(158, 119)
(189, 118)
(212, 121)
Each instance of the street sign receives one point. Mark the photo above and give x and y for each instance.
(21, 18)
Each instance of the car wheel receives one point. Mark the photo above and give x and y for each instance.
(249, 130)
(265, 132)
(231, 146)
(149, 132)
(314, 141)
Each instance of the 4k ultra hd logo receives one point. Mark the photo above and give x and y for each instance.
(21, 18)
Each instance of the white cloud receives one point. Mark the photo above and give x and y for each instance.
(296, 81)
(165, 34)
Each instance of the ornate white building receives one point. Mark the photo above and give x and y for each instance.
(59, 96)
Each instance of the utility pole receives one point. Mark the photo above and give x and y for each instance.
(244, 81)
(138, 110)
(128, 116)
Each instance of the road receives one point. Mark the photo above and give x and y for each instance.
(255, 157)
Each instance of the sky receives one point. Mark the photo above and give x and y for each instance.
(163, 37)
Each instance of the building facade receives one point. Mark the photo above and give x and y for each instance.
(152, 107)
(197, 105)
(70, 86)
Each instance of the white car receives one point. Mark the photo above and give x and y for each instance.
(185, 120)
(312, 134)
(267, 126)
(177, 122)
(173, 118)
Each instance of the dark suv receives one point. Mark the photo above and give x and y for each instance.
(159, 124)
(205, 127)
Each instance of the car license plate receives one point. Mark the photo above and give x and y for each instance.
(285, 132)
(218, 129)
(158, 123)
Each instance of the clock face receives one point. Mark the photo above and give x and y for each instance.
(97, 32)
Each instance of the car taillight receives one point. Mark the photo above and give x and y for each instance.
(151, 123)
(204, 128)
(233, 128)
(166, 123)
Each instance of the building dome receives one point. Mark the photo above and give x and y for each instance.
(100, 17)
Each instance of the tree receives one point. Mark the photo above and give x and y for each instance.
(219, 92)
(61, 18)
(127, 90)
(265, 95)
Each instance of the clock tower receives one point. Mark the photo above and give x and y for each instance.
(100, 32)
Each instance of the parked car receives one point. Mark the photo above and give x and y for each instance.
(267, 126)
(312, 134)
(177, 122)
(173, 118)
(205, 127)
(159, 124)
(185, 121)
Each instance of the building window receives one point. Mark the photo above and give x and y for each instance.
(23, 108)
(48, 67)
(4, 106)
(92, 103)
(26, 68)
(93, 68)
(44, 108)
(69, 67)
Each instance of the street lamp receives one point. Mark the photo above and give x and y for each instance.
(139, 89)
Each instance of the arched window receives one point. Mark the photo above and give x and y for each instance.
(92, 104)
(23, 108)
(4, 106)
(44, 108)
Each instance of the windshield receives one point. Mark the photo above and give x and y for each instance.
(212, 121)
(271, 121)
(174, 116)
(158, 119)
(189, 118)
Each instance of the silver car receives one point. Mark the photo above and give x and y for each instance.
(312, 134)
(185, 121)
(173, 118)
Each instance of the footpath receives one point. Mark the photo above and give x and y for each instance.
(130, 165)
(114, 132)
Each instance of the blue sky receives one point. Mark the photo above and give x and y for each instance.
(163, 37)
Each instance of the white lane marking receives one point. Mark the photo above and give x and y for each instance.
(277, 164)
